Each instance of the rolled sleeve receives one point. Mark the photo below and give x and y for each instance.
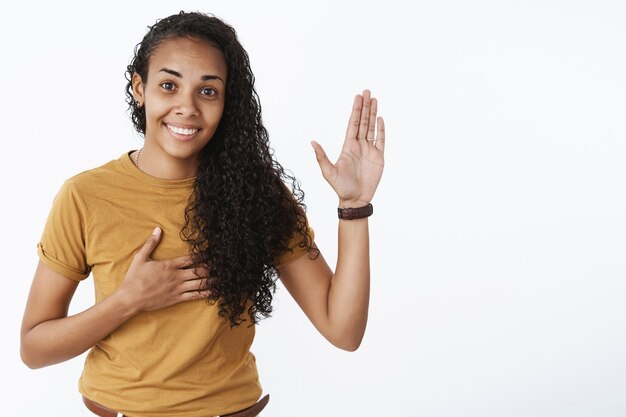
(62, 246)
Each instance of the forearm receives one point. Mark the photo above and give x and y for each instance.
(348, 298)
(58, 340)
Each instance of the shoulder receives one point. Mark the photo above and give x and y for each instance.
(89, 180)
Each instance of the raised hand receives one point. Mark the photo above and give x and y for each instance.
(157, 284)
(357, 172)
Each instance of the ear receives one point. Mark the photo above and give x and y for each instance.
(137, 84)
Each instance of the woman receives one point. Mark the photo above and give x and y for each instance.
(173, 321)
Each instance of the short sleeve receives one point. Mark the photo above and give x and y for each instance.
(62, 247)
(295, 251)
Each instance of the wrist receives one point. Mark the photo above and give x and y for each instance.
(355, 213)
(124, 303)
(352, 203)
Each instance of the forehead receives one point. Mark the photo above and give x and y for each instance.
(188, 56)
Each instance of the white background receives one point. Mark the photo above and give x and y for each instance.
(499, 234)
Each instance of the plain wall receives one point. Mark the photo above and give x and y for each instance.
(498, 238)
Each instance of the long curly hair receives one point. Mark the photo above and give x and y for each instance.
(245, 208)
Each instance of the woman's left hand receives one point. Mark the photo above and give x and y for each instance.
(358, 170)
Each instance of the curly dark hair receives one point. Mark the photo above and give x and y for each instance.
(241, 215)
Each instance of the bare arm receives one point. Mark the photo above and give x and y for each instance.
(337, 304)
(49, 336)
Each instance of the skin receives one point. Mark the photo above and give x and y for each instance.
(335, 302)
(176, 94)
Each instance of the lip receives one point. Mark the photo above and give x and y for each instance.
(178, 136)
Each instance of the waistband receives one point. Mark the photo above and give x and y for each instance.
(251, 411)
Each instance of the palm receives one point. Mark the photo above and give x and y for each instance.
(359, 168)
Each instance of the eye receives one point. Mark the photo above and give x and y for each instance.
(167, 85)
(208, 91)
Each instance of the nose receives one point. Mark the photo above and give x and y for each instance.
(186, 105)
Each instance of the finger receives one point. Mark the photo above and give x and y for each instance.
(355, 117)
(193, 273)
(182, 261)
(199, 284)
(327, 167)
(371, 129)
(151, 243)
(365, 115)
(380, 137)
(194, 295)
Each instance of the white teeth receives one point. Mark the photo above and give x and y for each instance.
(182, 131)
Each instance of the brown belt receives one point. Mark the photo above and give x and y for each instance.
(252, 411)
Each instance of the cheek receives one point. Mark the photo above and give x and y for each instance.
(154, 111)
(214, 114)
(213, 122)
(218, 116)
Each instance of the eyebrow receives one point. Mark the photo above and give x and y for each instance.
(203, 78)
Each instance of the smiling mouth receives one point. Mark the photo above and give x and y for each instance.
(182, 131)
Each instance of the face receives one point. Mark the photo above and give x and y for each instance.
(183, 97)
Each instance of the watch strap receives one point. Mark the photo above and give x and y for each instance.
(355, 212)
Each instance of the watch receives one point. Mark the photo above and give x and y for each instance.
(355, 213)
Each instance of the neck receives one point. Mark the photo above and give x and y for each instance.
(161, 165)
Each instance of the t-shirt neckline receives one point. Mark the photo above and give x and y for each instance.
(132, 169)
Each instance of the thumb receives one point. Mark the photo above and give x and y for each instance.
(151, 243)
(325, 165)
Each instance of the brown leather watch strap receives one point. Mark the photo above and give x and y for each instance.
(355, 213)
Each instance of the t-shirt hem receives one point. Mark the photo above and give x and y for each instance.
(126, 413)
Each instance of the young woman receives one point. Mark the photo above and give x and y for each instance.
(172, 325)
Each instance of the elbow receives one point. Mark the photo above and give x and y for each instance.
(348, 344)
(346, 338)
(31, 365)
(30, 358)
(349, 348)
(34, 363)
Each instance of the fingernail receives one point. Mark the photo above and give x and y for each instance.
(156, 231)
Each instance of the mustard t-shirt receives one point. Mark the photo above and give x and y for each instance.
(180, 361)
